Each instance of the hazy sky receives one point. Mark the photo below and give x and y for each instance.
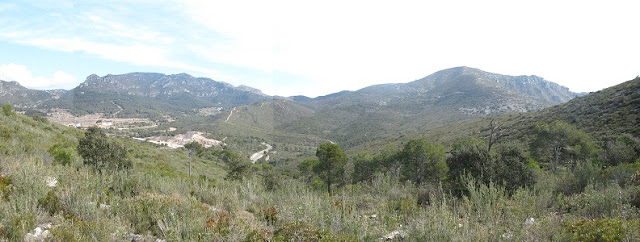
(318, 47)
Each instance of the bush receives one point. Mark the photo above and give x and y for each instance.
(7, 110)
(595, 203)
(5, 186)
(62, 154)
(597, 229)
(50, 203)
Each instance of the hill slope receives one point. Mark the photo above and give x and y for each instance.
(603, 114)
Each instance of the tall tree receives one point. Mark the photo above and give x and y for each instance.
(422, 161)
(559, 142)
(332, 161)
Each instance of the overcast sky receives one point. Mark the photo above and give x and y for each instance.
(318, 47)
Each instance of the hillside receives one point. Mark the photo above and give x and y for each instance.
(603, 114)
(610, 111)
(445, 97)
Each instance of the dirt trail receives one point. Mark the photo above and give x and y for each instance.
(119, 107)
(230, 113)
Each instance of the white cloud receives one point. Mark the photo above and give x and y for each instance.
(334, 45)
(20, 73)
(351, 44)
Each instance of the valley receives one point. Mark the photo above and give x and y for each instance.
(461, 154)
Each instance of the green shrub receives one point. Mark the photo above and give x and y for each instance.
(586, 173)
(595, 203)
(7, 110)
(62, 154)
(5, 186)
(621, 174)
(597, 229)
(634, 196)
(50, 203)
(5, 132)
(296, 232)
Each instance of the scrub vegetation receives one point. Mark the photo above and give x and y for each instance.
(559, 186)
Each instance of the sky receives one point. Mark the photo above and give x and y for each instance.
(316, 48)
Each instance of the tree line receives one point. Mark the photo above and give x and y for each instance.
(513, 164)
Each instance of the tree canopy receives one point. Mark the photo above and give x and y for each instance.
(423, 161)
(561, 143)
(99, 151)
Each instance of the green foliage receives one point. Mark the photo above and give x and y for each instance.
(17, 226)
(102, 153)
(332, 161)
(624, 149)
(194, 148)
(302, 232)
(469, 157)
(271, 178)
(5, 186)
(238, 169)
(512, 167)
(51, 203)
(423, 162)
(257, 236)
(365, 167)
(62, 153)
(595, 202)
(600, 229)
(155, 199)
(306, 169)
(560, 143)
(7, 110)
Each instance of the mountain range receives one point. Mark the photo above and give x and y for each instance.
(350, 118)
(371, 113)
(147, 95)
